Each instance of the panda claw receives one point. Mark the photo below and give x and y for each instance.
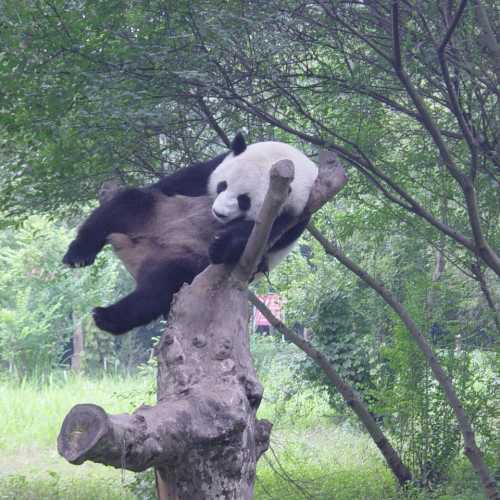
(79, 256)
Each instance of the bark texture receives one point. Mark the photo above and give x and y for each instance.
(202, 436)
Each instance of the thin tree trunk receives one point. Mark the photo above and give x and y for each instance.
(78, 345)
(471, 449)
(483, 284)
(348, 393)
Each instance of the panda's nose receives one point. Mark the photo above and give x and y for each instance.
(219, 215)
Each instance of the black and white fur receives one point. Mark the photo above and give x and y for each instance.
(165, 233)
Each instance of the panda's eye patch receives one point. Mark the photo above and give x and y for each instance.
(244, 202)
(222, 186)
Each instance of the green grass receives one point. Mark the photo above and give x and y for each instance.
(309, 456)
(55, 486)
(32, 414)
(340, 463)
(324, 463)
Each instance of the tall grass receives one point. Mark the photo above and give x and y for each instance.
(55, 486)
(323, 463)
(32, 413)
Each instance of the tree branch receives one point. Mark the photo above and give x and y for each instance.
(151, 436)
(349, 394)
(454, 103)
(364, 166)
(483, 284)
(213, 122)
(452, 26)
(490, 40)
(396, 42)
(481, 247)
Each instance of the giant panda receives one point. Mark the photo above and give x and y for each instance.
(169, 232)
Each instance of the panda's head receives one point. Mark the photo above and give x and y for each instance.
(238, 188)
(240, 183)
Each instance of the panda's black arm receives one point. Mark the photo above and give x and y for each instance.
(121, 214)
(228, 243)
(193, 180)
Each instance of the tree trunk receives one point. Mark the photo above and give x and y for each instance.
(78, 345)
(202, 436)
(483, 284)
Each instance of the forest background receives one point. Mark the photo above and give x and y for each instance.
(406, 93)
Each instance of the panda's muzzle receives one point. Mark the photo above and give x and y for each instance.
(219, 215)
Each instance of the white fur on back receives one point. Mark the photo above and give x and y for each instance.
(248, 173)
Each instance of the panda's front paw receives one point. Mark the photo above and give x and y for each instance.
(108, 320)
(80, 254)
(225, 249)
(217, 248)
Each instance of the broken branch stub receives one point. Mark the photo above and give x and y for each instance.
(151, 435)
(331, 179)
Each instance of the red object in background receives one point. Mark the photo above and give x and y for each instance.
(273, 302)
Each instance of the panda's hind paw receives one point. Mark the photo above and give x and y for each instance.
(106, 320)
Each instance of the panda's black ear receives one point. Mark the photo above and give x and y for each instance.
(238, 144)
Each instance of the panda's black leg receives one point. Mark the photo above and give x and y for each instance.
(136, 309)
(119, 215)
(148, 301)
